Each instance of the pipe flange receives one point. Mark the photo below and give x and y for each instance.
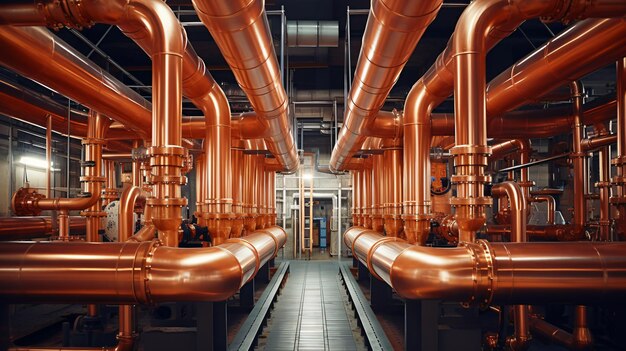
(618, 180)
(471, 150)
(370, 253)
(170, 150)
(619, 161)
(466, 178)
(618, 200)
(602, 184)
(92, 179)
(471, 201)
(488, 272)
(257, 258)
(142, 275)
(179, 202)
(166, 179)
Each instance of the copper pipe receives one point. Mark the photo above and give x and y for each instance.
(237, 160)
(498, 273)
(600, 141)
(366, 192)
(26, 228)
(109, 194)
(514, 193)
(579, 339)
(64, 225)
(128, 199)
(146, 233)
(132, 273)
(377, 192)
(259, 191)
(578, 156)
(619, 180)
(201, 184)
(48, 156)
(527, 78)
(249, 207)
(549, 200)
(604, 186)
(392, 158)
(393, 30)
(82, 80)
(240, 29)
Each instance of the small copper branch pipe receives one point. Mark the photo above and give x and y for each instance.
(200, 189)
(249, 207)
(240, 29)
(392, 158)
(64, 225)
(129, 198)
(110, 193)
(521, 337)
(498, 273)
(619, 180)
(259, 191)
(394, 28)
(356, 198)
(579, 339)
(131, 272)
(551, 204)
(578, 157)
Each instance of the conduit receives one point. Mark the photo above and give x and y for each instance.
(240, 29)
(131, 272)
(394, 28)
(498, 273)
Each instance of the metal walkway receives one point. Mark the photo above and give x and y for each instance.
(312, 312)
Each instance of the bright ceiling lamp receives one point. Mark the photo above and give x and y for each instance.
(34, 162)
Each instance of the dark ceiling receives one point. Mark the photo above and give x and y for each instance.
(317, 68)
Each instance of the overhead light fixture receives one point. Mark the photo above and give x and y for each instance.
(35, 162)
(307, 175)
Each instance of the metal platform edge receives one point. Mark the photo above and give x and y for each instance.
(246, 337)
(374, 333)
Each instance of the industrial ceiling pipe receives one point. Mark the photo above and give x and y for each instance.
(437, 84)
(131, 272)
(394, 28)
(498, 273)
(518, 208)
(240, 29)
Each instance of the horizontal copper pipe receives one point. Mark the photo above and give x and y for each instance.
(500, 273)
(83, 80)
(393, 30)
(132, 273)
(240, 29)
(25, 228)
(598, 142)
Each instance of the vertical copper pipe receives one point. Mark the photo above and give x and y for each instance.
(311, 205)
(377, 192)
(240, 29)
(129, 197)
(604, 185)
(619, 199)
(366, 191)
(237, 159)
(64, 225)
(392, 157)
(517, 201)
(200, 188)
(578, 157)
(48, 156)
(259, 190)
(136, 166)
(353, 180)
(549, 200)
(302, 207)
(356, 196)
(248, 191)
(394, 27)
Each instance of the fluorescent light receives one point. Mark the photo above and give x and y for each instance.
(34, 162)
(307, 176)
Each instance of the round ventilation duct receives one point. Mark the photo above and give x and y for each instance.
(311, 34)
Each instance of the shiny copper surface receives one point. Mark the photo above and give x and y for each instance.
(393, 30)
(240, 29)
(619, 180)
(128, 201)
(549, 200)
(129, 273)
(507, 273)
(25, 228)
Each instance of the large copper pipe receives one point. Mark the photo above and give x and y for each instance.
(392, 158)
(499, 273)
(394, 28)
(132, 273)
(578, 157)
(240, 29)
(83, 80)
